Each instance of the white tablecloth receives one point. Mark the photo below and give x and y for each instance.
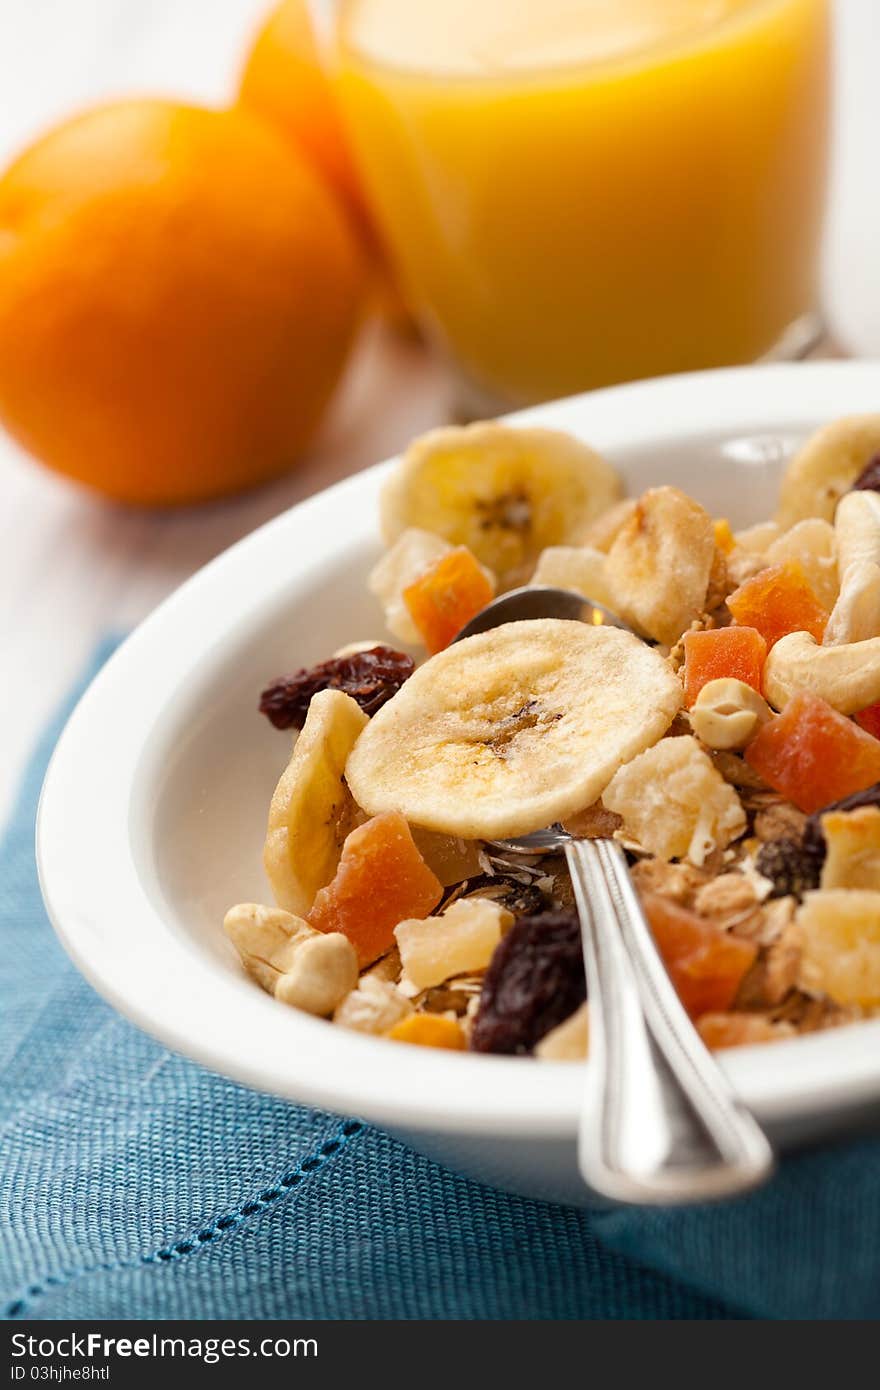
(71, 567)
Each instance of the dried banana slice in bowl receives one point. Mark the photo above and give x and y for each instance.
(514, 729)
(505, 493)
(312, 809)
(826, 467)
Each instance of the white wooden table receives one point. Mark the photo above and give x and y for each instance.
(72, 568)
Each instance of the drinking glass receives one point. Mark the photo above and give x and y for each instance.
(579, 192)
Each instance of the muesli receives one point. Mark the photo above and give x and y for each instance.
(730, 742)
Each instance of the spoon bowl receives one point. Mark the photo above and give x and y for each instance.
(541, 601)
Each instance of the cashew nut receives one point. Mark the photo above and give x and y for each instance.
(848, 677)
(311, 970)
(856, 614)
(727, 713)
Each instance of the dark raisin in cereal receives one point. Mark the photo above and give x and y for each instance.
(369, 677)
(814, 840)
(790, 866)
(535, 981)
(869, 478)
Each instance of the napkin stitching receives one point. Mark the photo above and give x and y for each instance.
(190, 1245)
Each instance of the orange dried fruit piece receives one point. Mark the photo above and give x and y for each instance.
(735, 652)
(381, 880)
(779, 600)
(814, 755)
(724, 537)
(447, 596)
(741, 1030)
(706, 965)
(429, 1030)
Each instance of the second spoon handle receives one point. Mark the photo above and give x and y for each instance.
(662, 1124)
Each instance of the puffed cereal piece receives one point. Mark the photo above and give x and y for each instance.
(675, 803)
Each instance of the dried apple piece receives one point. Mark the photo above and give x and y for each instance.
(841, 945)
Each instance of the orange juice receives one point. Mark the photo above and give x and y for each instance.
(578, 192)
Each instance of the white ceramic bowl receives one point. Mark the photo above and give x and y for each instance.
(154, 807)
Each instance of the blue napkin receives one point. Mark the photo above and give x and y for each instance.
(135, 1184)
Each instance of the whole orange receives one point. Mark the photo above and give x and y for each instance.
(285, 82)
(178, 294)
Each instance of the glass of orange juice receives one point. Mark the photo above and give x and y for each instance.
(579, 192)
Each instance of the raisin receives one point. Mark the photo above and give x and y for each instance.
(814, 840)
(535, 980)
(790, 866)
(522, 899)
(869, 478)
(369, 677)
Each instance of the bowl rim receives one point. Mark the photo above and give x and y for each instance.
(91, 865)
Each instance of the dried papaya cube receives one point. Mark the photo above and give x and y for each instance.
(737, 652)
(779, 600)
(724, 537)
(814, 755)
(706, 964)
(429, 1030)
(446, 596)
(381, 880)
(869, 720)
(742, 1030)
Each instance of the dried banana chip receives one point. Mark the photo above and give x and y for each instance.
(514, 729)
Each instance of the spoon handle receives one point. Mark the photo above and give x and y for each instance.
(661, 1123)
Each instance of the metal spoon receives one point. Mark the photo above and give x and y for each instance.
(660, 1123)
